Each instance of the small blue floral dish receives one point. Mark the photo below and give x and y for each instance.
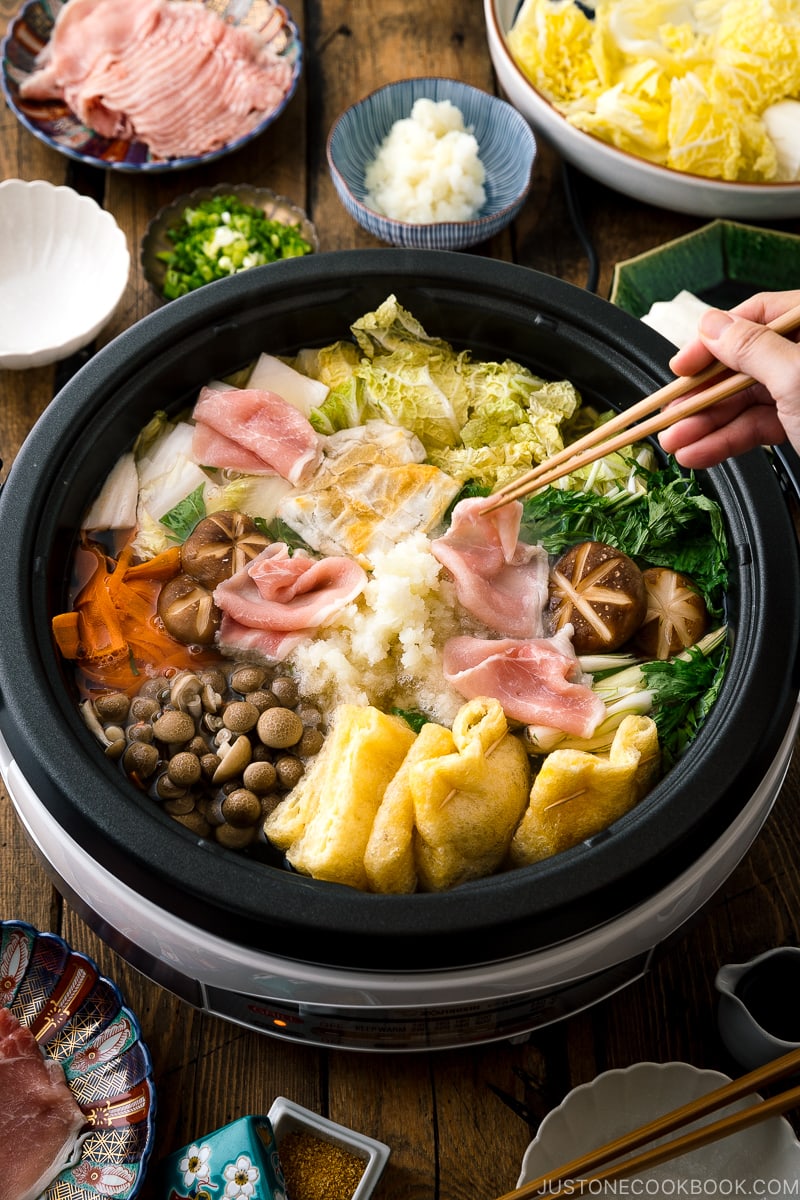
(243, 1160)
(506, 148)
(237, 1162)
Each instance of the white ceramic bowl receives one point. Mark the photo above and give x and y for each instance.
(506, 147)
(63, 268)
(618, 1101)
(287, 1117)
(646, 181)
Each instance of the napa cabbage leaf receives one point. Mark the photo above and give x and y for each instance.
(476, 420)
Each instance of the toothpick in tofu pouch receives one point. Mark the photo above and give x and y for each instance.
(449, 813)
(576, 794)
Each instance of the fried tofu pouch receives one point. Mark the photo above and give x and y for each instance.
(389, 858)
(324, 823)
(449, 813)
(576, 794)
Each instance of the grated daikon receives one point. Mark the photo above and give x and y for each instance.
(428, 167)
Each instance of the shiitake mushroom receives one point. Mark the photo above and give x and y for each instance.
(188, 611)
(600, 592)
(220, 545)
(676, 615)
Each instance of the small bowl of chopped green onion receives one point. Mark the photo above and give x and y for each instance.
(218, 231)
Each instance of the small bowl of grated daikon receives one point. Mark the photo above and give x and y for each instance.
(431, 163)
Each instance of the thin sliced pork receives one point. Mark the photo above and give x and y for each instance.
(173, 75)
(498, 579)
(85, 33)
(271, 645)
(277, 600)
(264, 425)
(536, 681)
(213, 449)
(39, 1118)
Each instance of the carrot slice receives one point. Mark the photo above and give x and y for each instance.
(112, 632)
(65, 630)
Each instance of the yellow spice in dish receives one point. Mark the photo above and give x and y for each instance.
(316, 1169)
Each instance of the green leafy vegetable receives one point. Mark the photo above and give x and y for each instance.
(669, 524)
(279, 531)
(221, 236)
(182, 519)
(415, 720)
(168, 474)
(684, 690)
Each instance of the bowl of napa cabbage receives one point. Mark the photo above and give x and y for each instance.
(683, 104)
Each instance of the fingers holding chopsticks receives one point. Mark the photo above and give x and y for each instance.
(760, 418)
(730, 428)
(761, 309)
(766, 413)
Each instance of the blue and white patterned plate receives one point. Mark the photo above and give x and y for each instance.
(506, 147)
(80, 1020)
(57, 126)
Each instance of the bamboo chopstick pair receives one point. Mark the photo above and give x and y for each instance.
(622, 430)
(572, 1178)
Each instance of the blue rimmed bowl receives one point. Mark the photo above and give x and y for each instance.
(80, 1020)
(54, 123)
(506, 147)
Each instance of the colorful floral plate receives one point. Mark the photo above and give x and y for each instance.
(79, 1018)
(53, 123)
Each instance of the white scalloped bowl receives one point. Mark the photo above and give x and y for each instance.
(63, 268)
(620, 1100)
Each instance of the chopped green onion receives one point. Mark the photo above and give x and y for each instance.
(222, 236)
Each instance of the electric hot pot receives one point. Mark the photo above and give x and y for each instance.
(316, 962)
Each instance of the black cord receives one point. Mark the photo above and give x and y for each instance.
(570, 182)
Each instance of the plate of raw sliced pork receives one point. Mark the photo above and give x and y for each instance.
(152, 86)
(81, 1114)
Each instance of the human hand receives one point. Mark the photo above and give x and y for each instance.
(766, 413)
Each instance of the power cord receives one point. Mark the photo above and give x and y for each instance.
(570, 180)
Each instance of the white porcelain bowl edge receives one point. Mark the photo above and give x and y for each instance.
(622, 1099)
(63, 270)
(617, 169)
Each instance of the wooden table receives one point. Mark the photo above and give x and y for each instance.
(452, 1137)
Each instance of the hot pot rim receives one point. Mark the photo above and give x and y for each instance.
(509, 914)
